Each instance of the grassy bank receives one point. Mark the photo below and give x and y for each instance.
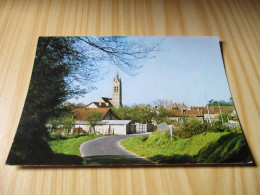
(203, 148)
(70, 146)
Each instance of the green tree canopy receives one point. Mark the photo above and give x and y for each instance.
(93, 118)
(221, 103)
(68, 122)
(139, 114)
(162, 115)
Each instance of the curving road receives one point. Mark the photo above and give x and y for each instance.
(107, 151)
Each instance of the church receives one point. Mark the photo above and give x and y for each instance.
(115, 101)
(110, 123)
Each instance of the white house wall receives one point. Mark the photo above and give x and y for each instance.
(107, 129)
(119, 129)
(84, 127)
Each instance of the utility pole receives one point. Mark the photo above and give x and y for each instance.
(208, 110)
(220, 113)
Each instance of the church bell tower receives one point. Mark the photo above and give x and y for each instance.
(117, 92)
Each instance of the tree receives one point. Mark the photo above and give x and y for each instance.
(61, 65)
(221, 103)
(162, 115)
(53, 124)
(149, 113)
(93, 118)
(143, 114)
(68, 122)
(161, 102)
(122, 112)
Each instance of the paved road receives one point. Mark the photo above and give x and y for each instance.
(107, 151)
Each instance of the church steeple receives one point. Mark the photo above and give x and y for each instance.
(117, 92)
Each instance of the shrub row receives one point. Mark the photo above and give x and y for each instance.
(192, 127)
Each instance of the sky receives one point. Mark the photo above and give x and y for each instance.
(185, 70)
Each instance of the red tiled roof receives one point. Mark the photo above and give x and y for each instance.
(80, 113)
(186, 113)
(215, 109)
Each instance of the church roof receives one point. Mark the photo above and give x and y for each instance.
(106, 99)
(80, 113)
(99, 104)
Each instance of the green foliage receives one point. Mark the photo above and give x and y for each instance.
(122, 112)
(70, 146)
(56, 135)
(221, 103)
(229, 148)
(144, 114)
(162, 115)
(203, 148)
(191, 127)
(68, 122)
(53, 123)
(93, 118)
(219, 127)
(225, 117)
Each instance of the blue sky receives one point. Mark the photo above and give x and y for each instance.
(185, 70)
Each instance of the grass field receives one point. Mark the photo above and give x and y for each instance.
(206, 147)
(70, 146)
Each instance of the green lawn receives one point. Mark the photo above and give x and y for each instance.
(70, 146)
(203, 148)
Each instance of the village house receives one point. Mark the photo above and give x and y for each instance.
(106, 113)
(180, 115)
(106, 127)
(109, 123)
(212, 112)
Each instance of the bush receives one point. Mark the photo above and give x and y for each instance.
(219, 127)
(73, 135)
(78, 130)
(59, 134)
(56, 135)
(225, 117)
(192, 127)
